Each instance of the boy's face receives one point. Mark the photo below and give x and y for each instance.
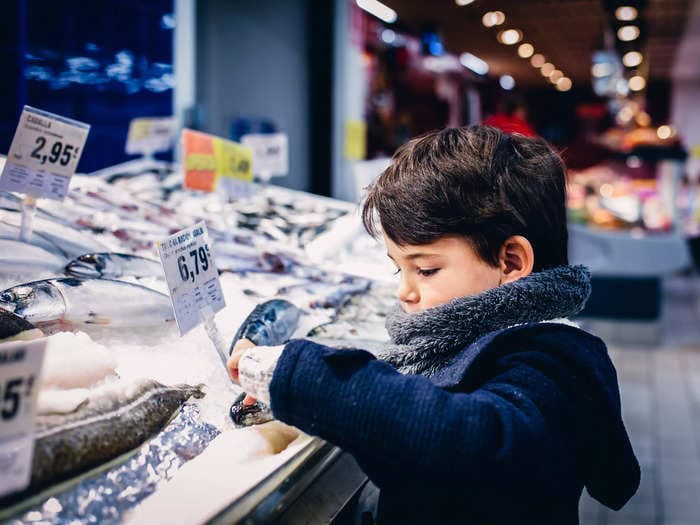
(433, 274)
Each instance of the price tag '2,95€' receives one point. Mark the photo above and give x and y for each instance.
(20, 366)
(193, 280)
(44, 154)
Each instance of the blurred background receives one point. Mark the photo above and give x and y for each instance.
(614, 85)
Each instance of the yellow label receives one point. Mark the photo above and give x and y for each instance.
(139, 128)
(695, 151)
(233, 160)
(355, 140)
(200, 161)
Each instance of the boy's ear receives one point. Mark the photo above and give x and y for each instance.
(516, 259)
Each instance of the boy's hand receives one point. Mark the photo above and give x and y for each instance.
(232, 364)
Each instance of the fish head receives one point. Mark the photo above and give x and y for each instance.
(88, 265)
(34, 302)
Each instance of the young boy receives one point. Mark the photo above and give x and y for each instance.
(484, 408)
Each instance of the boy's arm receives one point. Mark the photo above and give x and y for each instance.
(406, 422)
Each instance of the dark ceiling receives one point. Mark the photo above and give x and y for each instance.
(566, 32)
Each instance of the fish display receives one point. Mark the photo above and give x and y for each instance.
(71, 301)
(78, 274)
(114, 420)
(270, 323)
(114, 266)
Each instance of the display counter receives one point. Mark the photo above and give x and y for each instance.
(197, 467)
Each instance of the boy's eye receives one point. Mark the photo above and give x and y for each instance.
(428, 272)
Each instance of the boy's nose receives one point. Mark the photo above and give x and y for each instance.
(407, 293)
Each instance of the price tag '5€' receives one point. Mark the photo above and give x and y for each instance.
(191, 274)
(20, 366)
(44, 154)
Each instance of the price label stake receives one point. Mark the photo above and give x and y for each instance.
(20, 367)
(193, 281)
(43, 156)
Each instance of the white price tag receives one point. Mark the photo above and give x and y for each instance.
(270, 153)
(20, 366)
(191, 274)
(44, 154)
(150, 135)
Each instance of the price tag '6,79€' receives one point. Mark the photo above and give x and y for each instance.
(44, 154)
(190, 270)
(20, 366)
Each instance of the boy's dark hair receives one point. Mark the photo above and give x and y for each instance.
(477, 182)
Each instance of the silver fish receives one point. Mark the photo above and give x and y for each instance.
(72, 242)
(10, 232)
(113, 266)
(114, 420)
(53, 303)
(21, 258)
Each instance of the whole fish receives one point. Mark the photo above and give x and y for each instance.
(115, 419)
(270, 323)
(71, 241)
(53, 303)
(19, 258)
(10, 232)
(113, 266)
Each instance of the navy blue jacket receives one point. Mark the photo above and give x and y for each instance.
(509, 433)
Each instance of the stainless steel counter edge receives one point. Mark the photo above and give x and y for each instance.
(269, 498)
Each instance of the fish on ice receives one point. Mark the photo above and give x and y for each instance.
(72, 302)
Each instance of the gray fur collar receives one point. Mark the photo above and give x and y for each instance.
(424, 342)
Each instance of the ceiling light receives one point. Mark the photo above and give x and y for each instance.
(474, 63)
(388, 36)
(525, 50)
(493, 18)
(555, 76)
(637, 83)
(376, 8)
(628, 33)
(603, 69)
(664, 132)
(626, 13)
(507, 82)
(632, 58)
(537, 60)
(564, 84)
(463, 2)
(547, 69)
(510, 36)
